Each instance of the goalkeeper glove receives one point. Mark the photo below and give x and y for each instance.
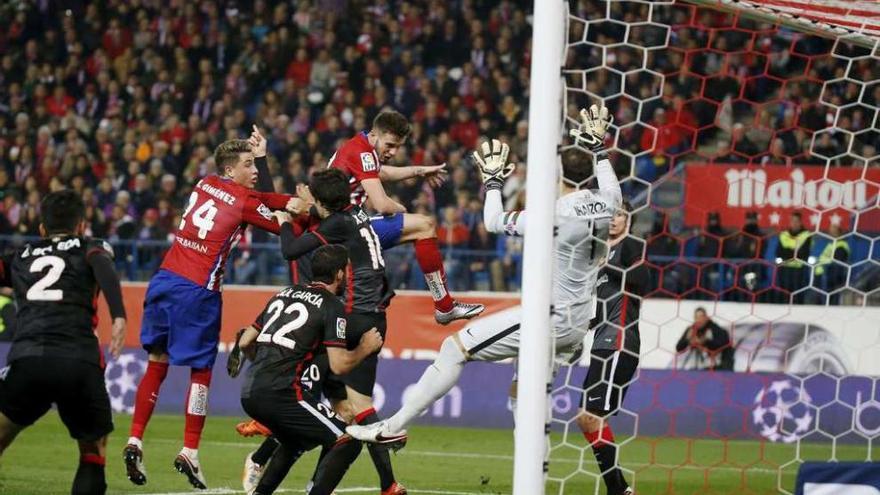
(591, 132)
(491, 161)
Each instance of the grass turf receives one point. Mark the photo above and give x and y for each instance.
(441, 461)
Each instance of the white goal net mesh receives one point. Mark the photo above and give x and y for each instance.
(729, 129)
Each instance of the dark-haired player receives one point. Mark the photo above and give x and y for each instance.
(364, 160)
(299, 325)
(182, 307)
(365, 298)
(55, 356)
(582, 220)
(614, 357)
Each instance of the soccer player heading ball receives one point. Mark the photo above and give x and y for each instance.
(364, 160)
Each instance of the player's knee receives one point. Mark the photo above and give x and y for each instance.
(344, 410)
(451, 350)
(589, 422)
(426, 225)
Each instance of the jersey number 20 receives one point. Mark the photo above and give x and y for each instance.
(202, 217)
(279, 337)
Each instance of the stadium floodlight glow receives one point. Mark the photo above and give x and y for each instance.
(545, 118)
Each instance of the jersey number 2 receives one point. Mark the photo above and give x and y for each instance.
(280, 336)
(202, 217)
(40, 291)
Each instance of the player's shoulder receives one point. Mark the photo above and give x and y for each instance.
(96, 245)
(582, 203)
(357, 154)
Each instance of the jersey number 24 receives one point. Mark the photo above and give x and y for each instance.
(202, 217)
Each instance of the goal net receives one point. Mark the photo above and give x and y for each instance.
(734, 121)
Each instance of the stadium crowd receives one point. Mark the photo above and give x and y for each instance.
(124, 101)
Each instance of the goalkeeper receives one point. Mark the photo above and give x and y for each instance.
(583, 219)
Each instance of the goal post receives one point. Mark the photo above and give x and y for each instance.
(720, 107)
(545, 119)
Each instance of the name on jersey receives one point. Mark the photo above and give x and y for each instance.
(62, 246)
(218, 193)
(310, 297)
(187, 243)
(595, 208)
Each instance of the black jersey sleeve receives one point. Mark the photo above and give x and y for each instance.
(294, 246)
(335, 229)
(334, 326)
(99, 255)
(264, 177)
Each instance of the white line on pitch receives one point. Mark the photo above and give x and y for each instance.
(502, 457)
(356, 489)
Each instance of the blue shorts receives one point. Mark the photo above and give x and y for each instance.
(182, 319)
(389, 229)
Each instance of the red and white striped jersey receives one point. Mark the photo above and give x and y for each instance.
(215, 217)
(358, 160)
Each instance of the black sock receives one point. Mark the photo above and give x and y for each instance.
(606, 457)
(333, 466)
(284, 458)
(379, 453)
(89, 479)
(265, 451)
(324, 450)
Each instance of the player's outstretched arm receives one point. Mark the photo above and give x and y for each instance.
(378, 199)
(101, 262)
(590, 134)
(435, 175)
(343, 361)
(295, 243)
(491, 162)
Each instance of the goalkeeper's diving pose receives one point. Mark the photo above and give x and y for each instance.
(583, 218)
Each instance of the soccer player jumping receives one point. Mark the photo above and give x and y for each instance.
(364, 159)
(182, 306)
(583, 218)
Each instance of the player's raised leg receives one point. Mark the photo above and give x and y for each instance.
(488, 339)
(421, 230)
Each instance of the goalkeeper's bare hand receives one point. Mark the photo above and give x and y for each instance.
(491, 161)
(594, 124)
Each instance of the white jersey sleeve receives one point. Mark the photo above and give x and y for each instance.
(609, 187)
(499, 221)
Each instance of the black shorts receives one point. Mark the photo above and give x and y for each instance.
(30, 385)
(301, 422)
(607, 381)
(363, 377)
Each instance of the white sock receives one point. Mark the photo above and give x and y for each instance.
(137, 442)
(192, 454)
(434, 383)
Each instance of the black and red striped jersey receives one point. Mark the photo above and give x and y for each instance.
(56, 295)
(296, 327)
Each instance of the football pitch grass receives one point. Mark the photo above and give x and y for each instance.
(437, 460)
